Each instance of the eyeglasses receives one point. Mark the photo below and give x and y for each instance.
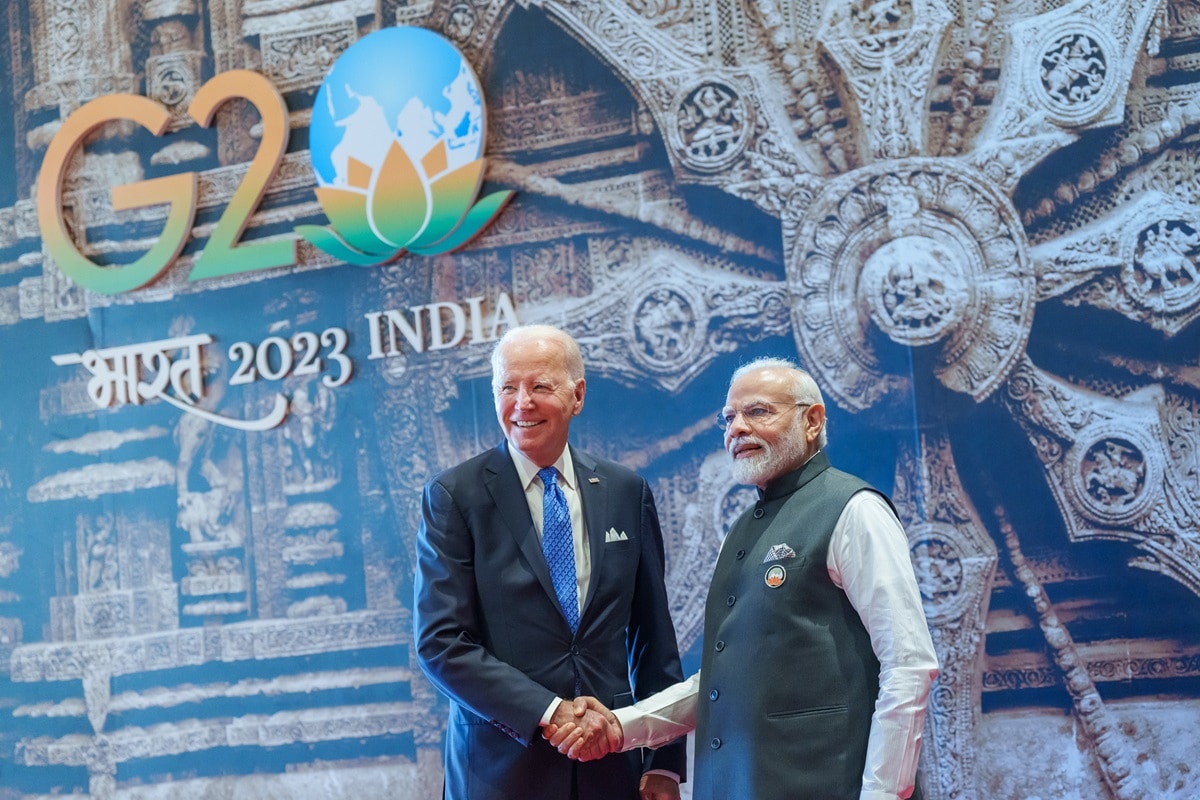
(755, 414)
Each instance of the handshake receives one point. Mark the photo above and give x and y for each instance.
(584, 730)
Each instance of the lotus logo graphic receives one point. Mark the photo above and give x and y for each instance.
(396, 139)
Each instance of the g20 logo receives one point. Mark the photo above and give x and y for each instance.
(396, 140)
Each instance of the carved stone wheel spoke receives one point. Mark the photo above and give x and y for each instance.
(955, 560)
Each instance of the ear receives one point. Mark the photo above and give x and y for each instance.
(814, 421)
(580, 391)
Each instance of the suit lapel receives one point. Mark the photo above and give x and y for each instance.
(508, 495)
(593, 494)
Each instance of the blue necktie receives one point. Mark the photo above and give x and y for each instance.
(557, 545)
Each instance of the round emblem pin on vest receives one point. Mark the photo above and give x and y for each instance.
(775, 576)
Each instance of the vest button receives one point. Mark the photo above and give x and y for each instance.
(758, 513)
(713, 695)
(574, 649)
(729, 602)
(715, 744)
(719, 646)
(741, 554)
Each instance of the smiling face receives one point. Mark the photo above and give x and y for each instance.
(535, 395)
(764, 449)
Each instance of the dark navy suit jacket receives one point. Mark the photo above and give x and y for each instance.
(491, 636)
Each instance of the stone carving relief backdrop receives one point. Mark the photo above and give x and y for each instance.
(975, 222)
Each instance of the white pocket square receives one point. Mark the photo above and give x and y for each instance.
(612, 535)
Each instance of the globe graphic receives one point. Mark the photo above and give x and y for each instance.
(405, 85)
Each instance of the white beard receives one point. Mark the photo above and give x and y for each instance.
(789, 453)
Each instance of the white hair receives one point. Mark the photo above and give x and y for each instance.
(572, 357)
(801, 386)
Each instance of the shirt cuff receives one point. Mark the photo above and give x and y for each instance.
(549, 713)
(868, 794)
(672, 775)
(630, 741)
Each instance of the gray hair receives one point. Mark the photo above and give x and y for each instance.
(801, 385)
(572, 357)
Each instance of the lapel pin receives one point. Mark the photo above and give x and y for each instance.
(593, 480)
(775, 576)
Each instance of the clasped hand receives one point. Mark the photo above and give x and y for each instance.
(584, 730)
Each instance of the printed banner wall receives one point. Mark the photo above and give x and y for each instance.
(254, 255)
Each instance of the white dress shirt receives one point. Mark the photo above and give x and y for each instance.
(868, 560)
(527, 471)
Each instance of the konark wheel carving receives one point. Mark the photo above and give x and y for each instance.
(924, 253)
(1142, 261)
(1162, 276)
(460, 22)
(1181, 428)
(1113, 478)
(887, 53)
(935, 551)
(1073, 72)
(1121, 469)
(668, 331)
(712, 125)
(916, 288)
(955, 562)
(1075, 63)
(898, 199)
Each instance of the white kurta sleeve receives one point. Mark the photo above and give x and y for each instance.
(869, 560)
(662, 717)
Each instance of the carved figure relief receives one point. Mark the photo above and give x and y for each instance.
(713, 125)
(1073, 69)
(1164, 273)
(102, 566)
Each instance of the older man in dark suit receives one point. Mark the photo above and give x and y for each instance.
(540, 578)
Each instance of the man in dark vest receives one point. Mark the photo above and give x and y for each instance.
(817, 660)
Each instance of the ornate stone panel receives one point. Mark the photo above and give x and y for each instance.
(921, 200)
(924, 253)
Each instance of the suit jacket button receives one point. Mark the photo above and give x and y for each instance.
(719, 646)
(758, 513)
(715, 744)
(713, 695)
(574, 649)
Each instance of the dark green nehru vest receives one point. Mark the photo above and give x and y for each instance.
(788, 678)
